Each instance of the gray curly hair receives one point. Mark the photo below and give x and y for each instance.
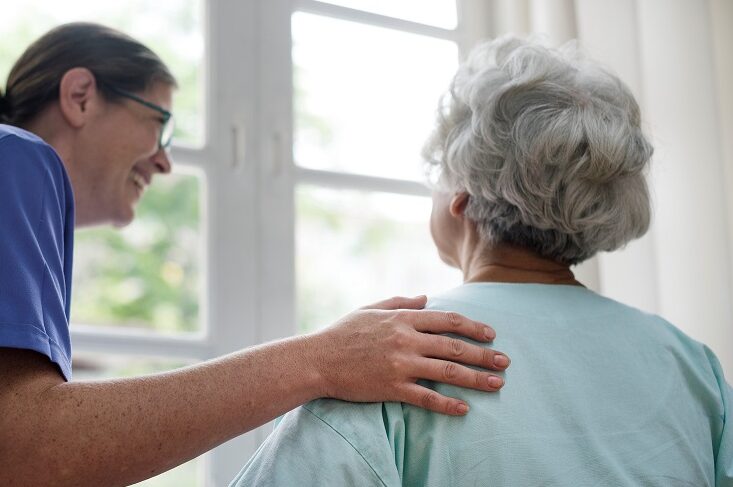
(548, 146)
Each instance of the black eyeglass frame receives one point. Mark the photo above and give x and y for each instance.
(165, 131)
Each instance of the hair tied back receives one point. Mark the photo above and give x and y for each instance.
(4, 105)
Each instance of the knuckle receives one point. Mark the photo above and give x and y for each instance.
(400, 338)
(479, 380)
(487, 356)
(479, 331)
(396, 365)
(457, 347)
(401, 316)
(453, 319)
(450, 371)
(429, 399)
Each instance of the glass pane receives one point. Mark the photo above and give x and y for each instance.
(172, 28)
(354, 248)
(99, 366)
(148, 274)
(88, 366)
(365, 97)
(441, 13)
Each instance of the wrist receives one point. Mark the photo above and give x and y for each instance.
(312, 365)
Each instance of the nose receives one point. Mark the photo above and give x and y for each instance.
(162, 161)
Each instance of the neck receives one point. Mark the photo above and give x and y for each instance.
(507, 263)
(49, 127)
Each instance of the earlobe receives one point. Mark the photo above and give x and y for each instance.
(458, 204)
(78, 88)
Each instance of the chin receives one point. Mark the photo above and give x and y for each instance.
(124, 217)
(446, 260)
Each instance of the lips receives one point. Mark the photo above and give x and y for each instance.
(140, 180)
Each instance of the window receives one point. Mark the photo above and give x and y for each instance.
(148, 275)
(365, 96)
(297, 193)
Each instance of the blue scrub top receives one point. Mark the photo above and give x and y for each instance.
(36, 247)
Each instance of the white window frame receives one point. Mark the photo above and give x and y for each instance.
(248, 279)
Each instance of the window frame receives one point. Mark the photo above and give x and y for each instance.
(248, 276)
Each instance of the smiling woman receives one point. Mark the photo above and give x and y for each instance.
(118, 281)
(93, 77)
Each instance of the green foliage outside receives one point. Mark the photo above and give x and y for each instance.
(146, 275)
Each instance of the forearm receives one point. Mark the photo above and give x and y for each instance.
(118, 432)
(121, 431)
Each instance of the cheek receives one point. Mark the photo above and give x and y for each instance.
(438, 226)
(433, 223)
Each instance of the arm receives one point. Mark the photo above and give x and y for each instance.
(121, 431)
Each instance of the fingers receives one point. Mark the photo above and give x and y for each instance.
(449, 322)
(456, 350)
(452, 373)
(425, 398)
(399, 302)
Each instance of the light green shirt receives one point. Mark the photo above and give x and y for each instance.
(598, 394)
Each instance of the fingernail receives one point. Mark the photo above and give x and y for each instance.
(462, 408)
(495, 381)
(501, 360)
(490, 335)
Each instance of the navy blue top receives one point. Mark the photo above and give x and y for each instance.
(36, 247)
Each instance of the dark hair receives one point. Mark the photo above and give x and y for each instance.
(116, 60)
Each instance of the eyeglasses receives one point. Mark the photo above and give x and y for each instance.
(168, 123)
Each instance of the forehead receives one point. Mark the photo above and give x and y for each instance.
(159, 93)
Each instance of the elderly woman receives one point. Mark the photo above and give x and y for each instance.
(539, 164)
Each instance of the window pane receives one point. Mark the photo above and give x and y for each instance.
(365, 97)
(98, 366)
(147, 275)
(88, 366)
(172, 28)
(441, 13)
(354, 248)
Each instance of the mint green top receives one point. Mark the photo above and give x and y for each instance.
(598, 393)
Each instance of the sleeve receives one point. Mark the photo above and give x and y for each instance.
(724, 460)
(306, 451)
(723, 444)
(34, 210)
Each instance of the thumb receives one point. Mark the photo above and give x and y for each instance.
(399, 302)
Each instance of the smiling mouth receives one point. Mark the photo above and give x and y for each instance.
(139, 180)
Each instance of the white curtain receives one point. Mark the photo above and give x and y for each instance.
(676, 57)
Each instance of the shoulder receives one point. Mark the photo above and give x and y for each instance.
(22, 152)
(30, 167)
(15, 139)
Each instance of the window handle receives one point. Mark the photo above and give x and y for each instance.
(239, 145)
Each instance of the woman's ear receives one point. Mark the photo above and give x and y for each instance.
(77, 89)
(458, 204)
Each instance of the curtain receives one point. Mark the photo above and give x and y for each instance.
(675, 55)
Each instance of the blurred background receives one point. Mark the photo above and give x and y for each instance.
(298, 194)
